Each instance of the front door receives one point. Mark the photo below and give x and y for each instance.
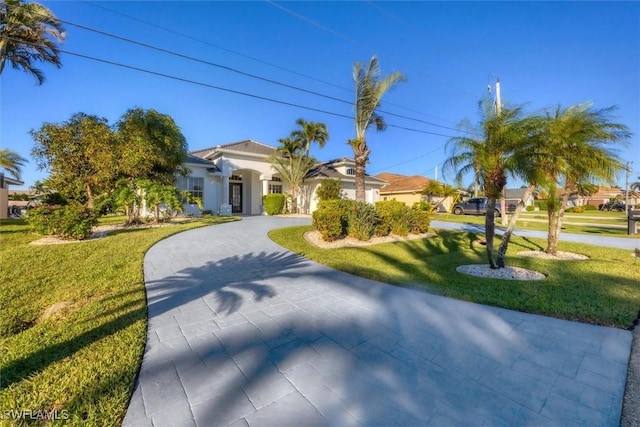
(235, 197)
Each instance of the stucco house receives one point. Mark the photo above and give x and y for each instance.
(514, 195)
(403, 188)
(408, 189)
(5, 182)
(232, 178)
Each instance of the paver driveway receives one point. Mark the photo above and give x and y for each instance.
(243, 332)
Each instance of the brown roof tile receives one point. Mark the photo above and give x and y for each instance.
(397, 183)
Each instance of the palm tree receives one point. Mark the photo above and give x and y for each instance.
(292, 167)
(309, 133)
(576, 141)
(489, 156)
(29, 32)
(369, 88)
(12, 162)
(635, 186)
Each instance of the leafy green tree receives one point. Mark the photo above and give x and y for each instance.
(81, 155)
(488, 153)
(29, 33)
(369, 89)
(329, 189)
(152, 146)
(309, 133)
(12, 162)
(155, 195)
(576, 153)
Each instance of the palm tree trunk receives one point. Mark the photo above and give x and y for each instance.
(490, 229)
(361, 161)
(552, 239)
(502, 250)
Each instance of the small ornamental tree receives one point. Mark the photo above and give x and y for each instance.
(329, 189)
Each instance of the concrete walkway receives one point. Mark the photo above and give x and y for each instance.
(245, 333)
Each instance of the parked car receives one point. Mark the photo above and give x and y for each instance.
(478, 206)
(611, 206)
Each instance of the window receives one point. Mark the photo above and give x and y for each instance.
(351, 171)
(275, 188)
(236, 178)
(193, 185)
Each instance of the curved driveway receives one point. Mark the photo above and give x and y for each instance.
(244, 333)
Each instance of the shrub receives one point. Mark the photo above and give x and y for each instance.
(72, 221)
(273, 203)
(418, 221)
(424, 206)
(329, 223)
(361, 221)
(339, 214)
(393, 217)
(576, 209)
(329, 189)
(530, 208)
(541, 204)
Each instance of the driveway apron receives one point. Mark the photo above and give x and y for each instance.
(245, 333)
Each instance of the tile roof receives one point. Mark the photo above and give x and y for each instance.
(402, 183)
(247, 146)
(326, 170)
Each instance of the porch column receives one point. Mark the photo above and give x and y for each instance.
(265, 191)
(225, 207)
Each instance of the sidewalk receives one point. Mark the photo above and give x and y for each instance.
(244, 333)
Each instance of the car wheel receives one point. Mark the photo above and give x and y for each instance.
(458, 211)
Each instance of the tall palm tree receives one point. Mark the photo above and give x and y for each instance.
(577, 141)
(29, 33)
(489, 155)
(369, 89)
(12, 162)
(309, 133)
(635, 186)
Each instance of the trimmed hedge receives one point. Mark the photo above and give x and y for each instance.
(273, 203)
(337, 218)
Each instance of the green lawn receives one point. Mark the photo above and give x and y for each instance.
(603, 290)
(84, 358)
(538, 221)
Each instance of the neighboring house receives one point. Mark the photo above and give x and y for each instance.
(408, 189)
(513, 196)
(403, 188)
(607, 194)
(5, 182)
(232, 178)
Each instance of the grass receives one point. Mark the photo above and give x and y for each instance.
(538, 221)
(602, 290)
(83, 359)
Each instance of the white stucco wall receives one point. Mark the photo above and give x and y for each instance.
(210, 192)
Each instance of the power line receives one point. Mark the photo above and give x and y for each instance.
(254, 58)
(254, 76)
(215, 45)
(316, 24)
(237, 92)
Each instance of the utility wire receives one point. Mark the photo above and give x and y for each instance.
(254, 76)
(251, 57)
(237, 92)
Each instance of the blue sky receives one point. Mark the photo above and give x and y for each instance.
(544, 53)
